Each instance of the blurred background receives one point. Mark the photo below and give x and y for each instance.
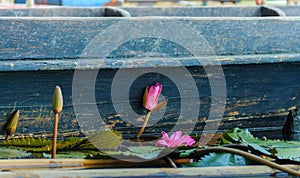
(99, 3)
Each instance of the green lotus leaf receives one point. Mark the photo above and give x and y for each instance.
(219, 159)
(10, 153)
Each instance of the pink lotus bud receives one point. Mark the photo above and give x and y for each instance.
(151, 96)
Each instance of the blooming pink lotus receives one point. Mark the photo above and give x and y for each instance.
(151, 96)
(176, 139)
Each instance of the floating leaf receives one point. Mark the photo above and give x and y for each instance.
(68, 154)
(260, 149)
(9, 153)
(70, 145)
(41, 144)
(186, 153)
(72, 139)
(27, 142)
(145, 152)
(236, 135)
(289, 153)
(218, 159)
(277, 143)
(106, 139)
(278, 148)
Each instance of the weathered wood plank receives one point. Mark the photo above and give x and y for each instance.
(279, 36)
(261, 69)
(290, 10)
(239, 171)
(64, 12)
(264, 95)
(225, 11)
(242, 11)
(245, 11)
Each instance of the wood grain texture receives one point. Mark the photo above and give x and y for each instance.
(224, 11)
(255, 98)
(245, 11)
(75, 168)
(290, 10)
(259, 58)
(63, 12)
(64, 38)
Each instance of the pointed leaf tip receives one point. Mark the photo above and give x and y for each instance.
(57, 100)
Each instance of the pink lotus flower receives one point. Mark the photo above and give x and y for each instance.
(151, 96)
(176, 139)
(150, 100)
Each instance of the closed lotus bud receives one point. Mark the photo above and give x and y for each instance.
(12, 123)
(150, 98)
(57, 100)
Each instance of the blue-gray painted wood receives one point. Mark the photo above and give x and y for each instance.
(65, 38)
(254, 11)
(259, 56)
(258, 96)
(65, 12)
(225, 11)
(290, 10)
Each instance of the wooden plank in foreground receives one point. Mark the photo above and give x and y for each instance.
(138, 172)
(76, 163)
(94, 168)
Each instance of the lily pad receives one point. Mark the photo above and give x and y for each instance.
(145, 152)
(27, 142)
(289, 153)
(69, 154)
(186, 153)
(9, 153)
(218, 159)
(106, 139)
(278, 148)
(236, 135)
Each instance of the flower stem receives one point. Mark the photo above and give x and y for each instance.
(140, 132)
(54, 136)
(170, 162)
(249, 156)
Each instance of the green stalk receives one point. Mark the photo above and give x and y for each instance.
(140, 132)
(53, 155)
(57, 105)
(249, 156)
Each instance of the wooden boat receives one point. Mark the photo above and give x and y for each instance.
(256, 79)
